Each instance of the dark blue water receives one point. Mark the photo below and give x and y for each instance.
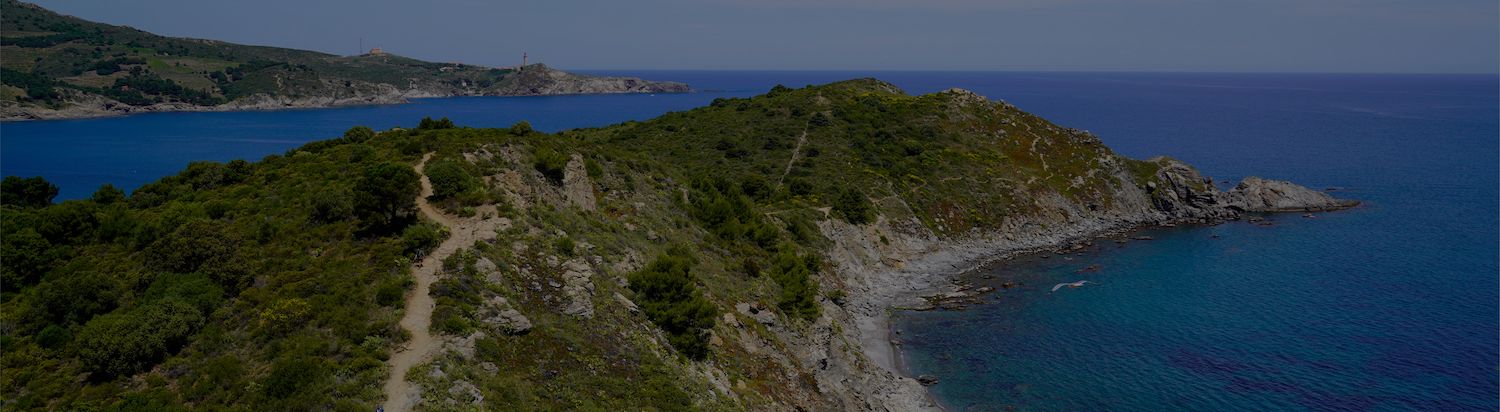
(1392, 306)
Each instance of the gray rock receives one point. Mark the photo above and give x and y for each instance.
(462, 392)
(578, 189)
(1262, 195)
(578, 284)
(507, 319)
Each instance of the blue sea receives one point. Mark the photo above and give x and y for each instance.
(1390, 306)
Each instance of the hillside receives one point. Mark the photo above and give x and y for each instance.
(739, 256)
(57, 66)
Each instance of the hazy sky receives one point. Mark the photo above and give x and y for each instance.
(1125, 35)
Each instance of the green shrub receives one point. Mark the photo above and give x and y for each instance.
(191, 246)
(550, 163)
(853, 206)
(798, 288)
(564, 246)
(359, 134)
(121, 344)
(27, 255)
(108, 194)
(293, 376)
(521, 128)
(449, 179)
(77, 297)
(332, 205)
(428, 124)
(593, 168)
(421, 238)
(666, 292)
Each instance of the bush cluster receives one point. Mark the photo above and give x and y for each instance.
(666, 292)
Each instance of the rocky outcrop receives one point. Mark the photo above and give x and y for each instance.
(538, 79)
(1254, 194)
(506, 318)
(577, 188)
(892, 263)
(578, 285)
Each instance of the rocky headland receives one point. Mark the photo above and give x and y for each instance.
(531, 80)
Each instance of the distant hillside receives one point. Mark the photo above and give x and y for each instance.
(57, 66)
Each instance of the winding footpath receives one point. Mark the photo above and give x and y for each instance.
(401, 395)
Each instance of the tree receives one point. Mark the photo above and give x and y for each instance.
(853, 206)
(108, 194)
(669, 298)
(359, 134)
(450, 179)
(386, 195)
(28, 192)
(428, 124)
(68, 222)
(332, 205)
(77, 297)
(521, 128)
(798, 288)
(27, 255)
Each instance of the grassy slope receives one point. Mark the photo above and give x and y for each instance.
(305, 315)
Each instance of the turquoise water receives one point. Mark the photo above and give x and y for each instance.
(1392, 306)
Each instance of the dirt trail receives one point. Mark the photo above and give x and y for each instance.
(796, 154)
(401, 395)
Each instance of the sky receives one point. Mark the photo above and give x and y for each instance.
(1345, 36)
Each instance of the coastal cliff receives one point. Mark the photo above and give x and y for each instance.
(60, 67)
(739, 256)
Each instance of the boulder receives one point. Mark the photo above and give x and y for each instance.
(505, 318)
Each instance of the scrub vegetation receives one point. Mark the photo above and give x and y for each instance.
(632, 250)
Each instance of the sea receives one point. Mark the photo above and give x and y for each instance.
(1391, 306)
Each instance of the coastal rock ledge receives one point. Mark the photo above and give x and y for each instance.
(896, 259)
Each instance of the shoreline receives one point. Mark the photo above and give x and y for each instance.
(942, 282)
(894, 357)
(75, 113)
(898, 356)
